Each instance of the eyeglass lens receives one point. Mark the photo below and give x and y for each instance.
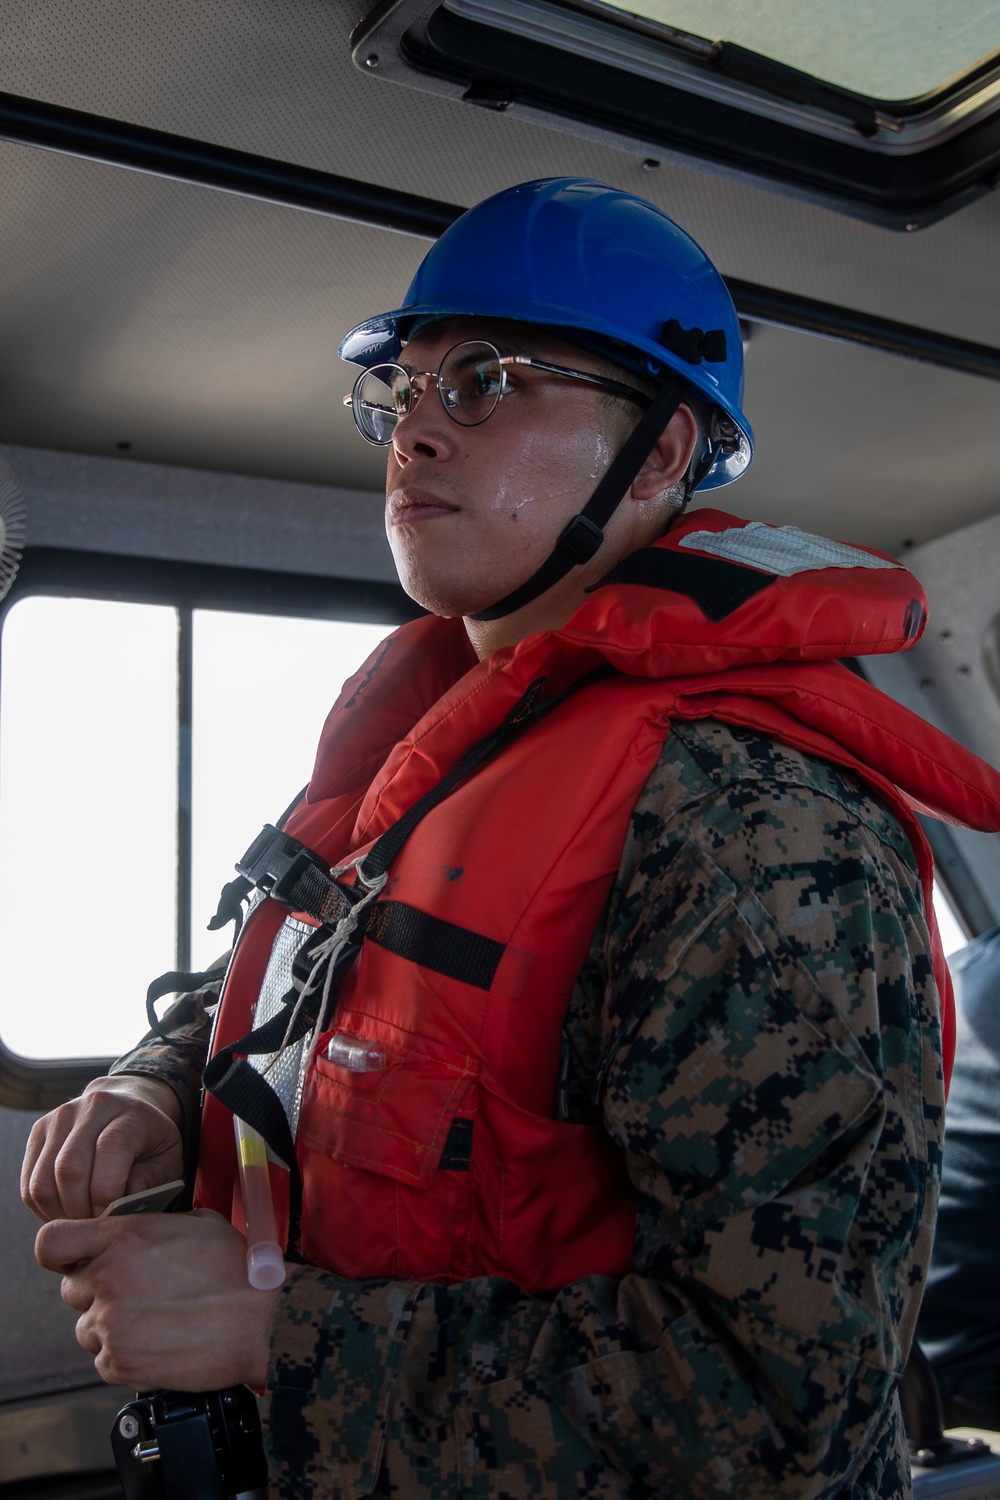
(470, 383)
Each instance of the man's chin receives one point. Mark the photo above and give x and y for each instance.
(446, 603)
(437, 591)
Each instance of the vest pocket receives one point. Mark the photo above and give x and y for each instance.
(386, 1190)
(393, 1121)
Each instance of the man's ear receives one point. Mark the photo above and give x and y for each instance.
(670, 458)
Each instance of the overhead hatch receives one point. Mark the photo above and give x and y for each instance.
(889, 111)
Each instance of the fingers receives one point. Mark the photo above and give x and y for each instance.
(55, 1178)
(127, 1163)
(64, 1245)
(94, 1149)
(163, 1299)
(87, 1335)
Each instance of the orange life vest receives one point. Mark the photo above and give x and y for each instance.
(445, 1161)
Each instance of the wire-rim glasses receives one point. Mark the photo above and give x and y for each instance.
(471, 382)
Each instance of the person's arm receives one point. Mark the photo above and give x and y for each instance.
(175, 1056)
(772, 1078)
(129, 1131)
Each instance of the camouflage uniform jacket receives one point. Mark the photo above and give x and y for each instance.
(757, 1026)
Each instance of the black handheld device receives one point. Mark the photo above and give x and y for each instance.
(176, 1445)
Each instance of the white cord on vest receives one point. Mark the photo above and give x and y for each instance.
(326, 953)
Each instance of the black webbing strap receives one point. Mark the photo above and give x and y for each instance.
(585, 533)
(524, 713)
(288, 871)
(177, 982)
(231, 1079)
(230, 909)
(444, 947)
(716, 586)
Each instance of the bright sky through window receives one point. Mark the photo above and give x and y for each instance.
(885, 49)
(263, 687)
(88, 794)
(88, 820)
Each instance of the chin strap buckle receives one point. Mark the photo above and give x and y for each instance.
(580, 540)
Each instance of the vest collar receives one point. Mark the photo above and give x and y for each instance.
(708, 616)
(719, 592)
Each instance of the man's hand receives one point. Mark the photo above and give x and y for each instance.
(121, 1136)
(164, 1298)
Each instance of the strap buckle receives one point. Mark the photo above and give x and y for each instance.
(275, 863)
(580, 540)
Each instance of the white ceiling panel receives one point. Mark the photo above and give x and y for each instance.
(201, 329)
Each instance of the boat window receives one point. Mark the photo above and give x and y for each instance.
(895, 50)
(953, 934)
(142, 747)
(889, 111)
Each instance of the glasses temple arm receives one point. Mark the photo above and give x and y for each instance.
(603, 381)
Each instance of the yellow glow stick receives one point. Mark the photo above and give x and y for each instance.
(265, 1262)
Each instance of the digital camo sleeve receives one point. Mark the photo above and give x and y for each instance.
(767, 1058)
(177, 1057)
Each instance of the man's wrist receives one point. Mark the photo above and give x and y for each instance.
(148, 1090)
(258, 1329)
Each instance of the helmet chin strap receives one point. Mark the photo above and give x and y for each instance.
(580, 540)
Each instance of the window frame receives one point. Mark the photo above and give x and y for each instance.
(41, 1084)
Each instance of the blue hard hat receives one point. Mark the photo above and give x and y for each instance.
(609, 271)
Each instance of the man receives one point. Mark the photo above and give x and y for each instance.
(602, 1038)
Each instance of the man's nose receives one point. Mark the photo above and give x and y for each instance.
(424, 430)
